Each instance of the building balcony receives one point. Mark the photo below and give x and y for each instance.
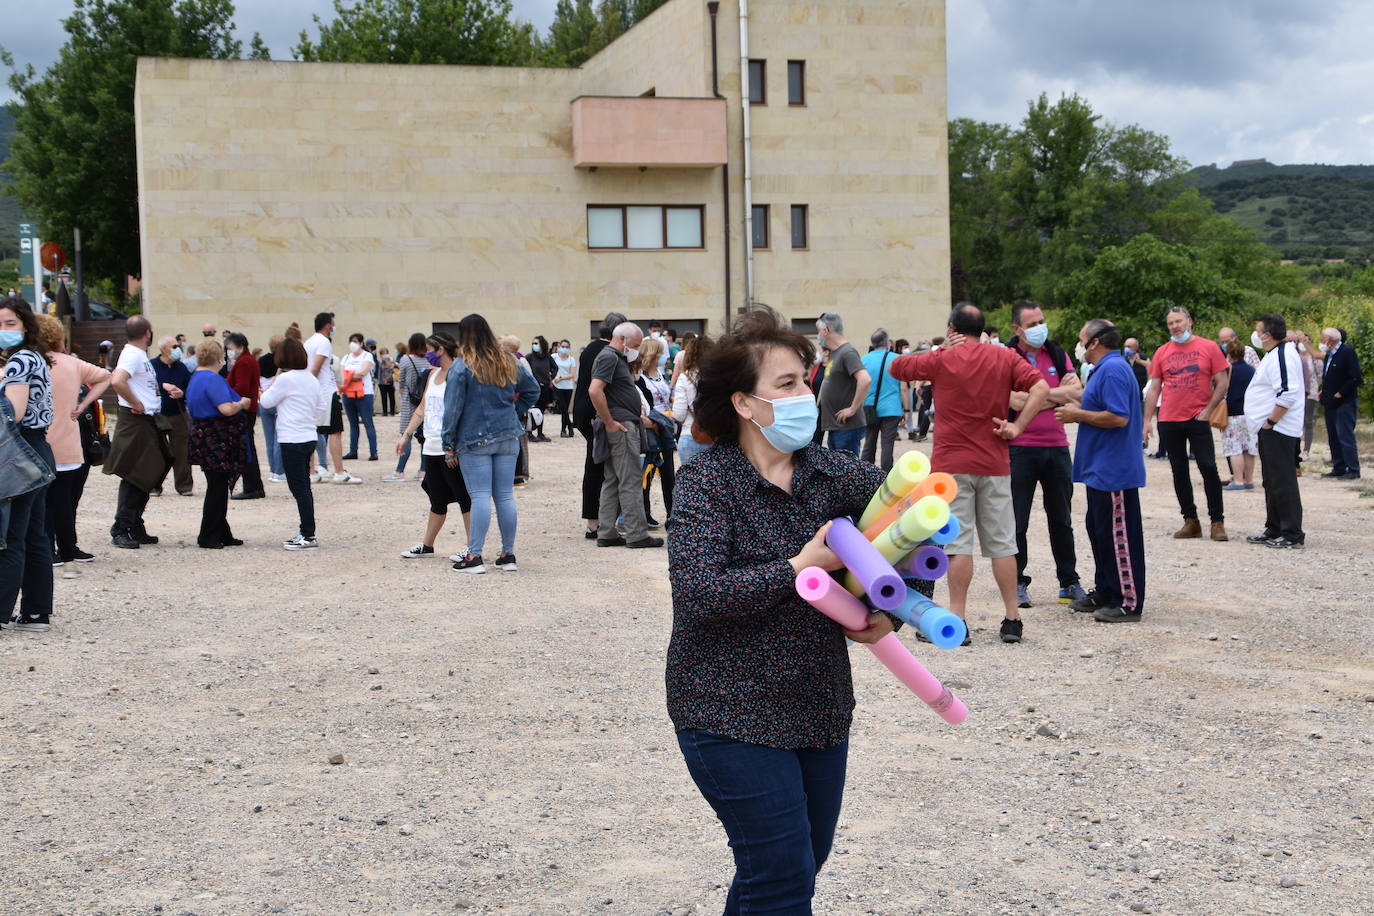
(648, 132)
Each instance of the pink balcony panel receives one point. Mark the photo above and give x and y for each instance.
(652, 132)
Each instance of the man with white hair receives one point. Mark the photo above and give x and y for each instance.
(172, 379)
(845, 387)
(1340, 396)
(1224, 338)
(616, 399)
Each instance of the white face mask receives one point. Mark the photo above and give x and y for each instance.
(1079, 352)
(631, 354)
(354, 346)
(230, 353)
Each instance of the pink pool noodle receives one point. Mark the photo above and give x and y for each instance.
(827, 596)
(927, 562)
(882, 584)
(921, 682)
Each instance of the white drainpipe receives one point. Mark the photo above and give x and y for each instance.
(748, 162)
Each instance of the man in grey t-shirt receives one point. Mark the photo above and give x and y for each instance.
(845, 386)
(616, 399)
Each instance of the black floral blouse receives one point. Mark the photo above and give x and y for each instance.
(748, 658)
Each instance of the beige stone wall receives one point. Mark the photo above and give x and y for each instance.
(402, 196)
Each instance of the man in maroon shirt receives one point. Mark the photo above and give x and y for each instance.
(245, 377)
(973, 383)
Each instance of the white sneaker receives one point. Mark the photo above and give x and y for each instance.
(418, 552)
(301, 543)
(31, 627)
(318, 477)
(346, 477)
(394, 478)
(277, 478)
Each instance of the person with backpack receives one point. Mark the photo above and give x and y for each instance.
(410, 365)
(1040, 455)
(78, 385)
(443, 482)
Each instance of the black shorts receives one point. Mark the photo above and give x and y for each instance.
(335, 417)
(444, 485)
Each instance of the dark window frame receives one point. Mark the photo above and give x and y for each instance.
(625, 227)
(767, 234)
(806, 227)
(763, 81)
(801, 102)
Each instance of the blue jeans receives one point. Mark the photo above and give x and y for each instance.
(779, 809)
(688, 448)
(847, 440)
(269, 433)
(26, 561)
(359, 410)
(322, 451)
(405, 456)
(489, 472)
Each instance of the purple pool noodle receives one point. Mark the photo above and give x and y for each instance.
(882, 584)
(927, 562)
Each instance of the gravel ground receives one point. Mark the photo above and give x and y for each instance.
(505, 747)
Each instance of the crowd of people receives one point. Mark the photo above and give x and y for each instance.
(758, 438)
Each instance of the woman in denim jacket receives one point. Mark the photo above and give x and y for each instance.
(485, 390)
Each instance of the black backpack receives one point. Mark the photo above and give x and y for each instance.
(95, 442)
(417, 396)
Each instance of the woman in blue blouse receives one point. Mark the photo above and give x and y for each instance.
(26, 560)
(758, 681)
(217, 443)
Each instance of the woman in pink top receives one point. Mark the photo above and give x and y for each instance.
(69, 374)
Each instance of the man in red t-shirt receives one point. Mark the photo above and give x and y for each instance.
(1192, 373)
(973, 383)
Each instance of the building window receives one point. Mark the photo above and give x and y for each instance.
(796, 82)
(760, 230)
(645, 228)
(800, 233)
(758, 83)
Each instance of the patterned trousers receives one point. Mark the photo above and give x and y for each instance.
(1118, 542)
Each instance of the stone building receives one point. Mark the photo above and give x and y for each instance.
(404, 197)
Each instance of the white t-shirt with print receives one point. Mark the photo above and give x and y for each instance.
(142, 379)
(433, 427)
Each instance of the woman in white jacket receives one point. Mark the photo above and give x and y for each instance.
(295, 394)
(684, 396)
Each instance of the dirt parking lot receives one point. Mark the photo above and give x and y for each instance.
(506, 749)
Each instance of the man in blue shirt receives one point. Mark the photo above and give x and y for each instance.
(1109, 463)
(883, 403)
(172, 379)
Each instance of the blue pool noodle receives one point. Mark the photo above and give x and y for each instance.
(945, 535)
(944, 629)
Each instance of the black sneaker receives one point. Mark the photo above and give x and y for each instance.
(472, 563)
(1088, 603)
(418, 551)
(506, 562)
(142, 536)
(644, 542)
(610, 542)
(1011, 630)
(1116, 615)
(79, 556)
(124, 539)
(1264, 537)
(1282, 543)
(968, 634)
(652, 523)
(589, 535)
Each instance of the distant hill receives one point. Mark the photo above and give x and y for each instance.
(1302, 210)
(9, 207)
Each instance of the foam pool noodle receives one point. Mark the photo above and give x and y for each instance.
(937, 483)
(868, 570)
(946, 535)
(943, 628)
(823, 593)
(907, 473)
(915, 526)
(928, 562)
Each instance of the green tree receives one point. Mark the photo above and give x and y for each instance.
(73, 158)
(478, 32)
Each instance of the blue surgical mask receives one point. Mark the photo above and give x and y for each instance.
(1182, 338)
(1128, 352)
(1037, 335)
(10, 339)
(562, 351)
(177, 354)
(794, 422)
(534, 348)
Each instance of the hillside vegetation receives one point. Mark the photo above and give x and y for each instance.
(1304, 211)
(9, 207)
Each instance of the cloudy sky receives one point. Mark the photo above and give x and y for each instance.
(1290, 82)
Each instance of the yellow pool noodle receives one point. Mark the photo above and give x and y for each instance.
(903, 536)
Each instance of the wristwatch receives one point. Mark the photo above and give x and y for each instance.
(1270, 421)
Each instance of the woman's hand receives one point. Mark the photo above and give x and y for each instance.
(816, 553)
(879, 625)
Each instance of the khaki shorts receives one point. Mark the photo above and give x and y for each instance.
(986, 503)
